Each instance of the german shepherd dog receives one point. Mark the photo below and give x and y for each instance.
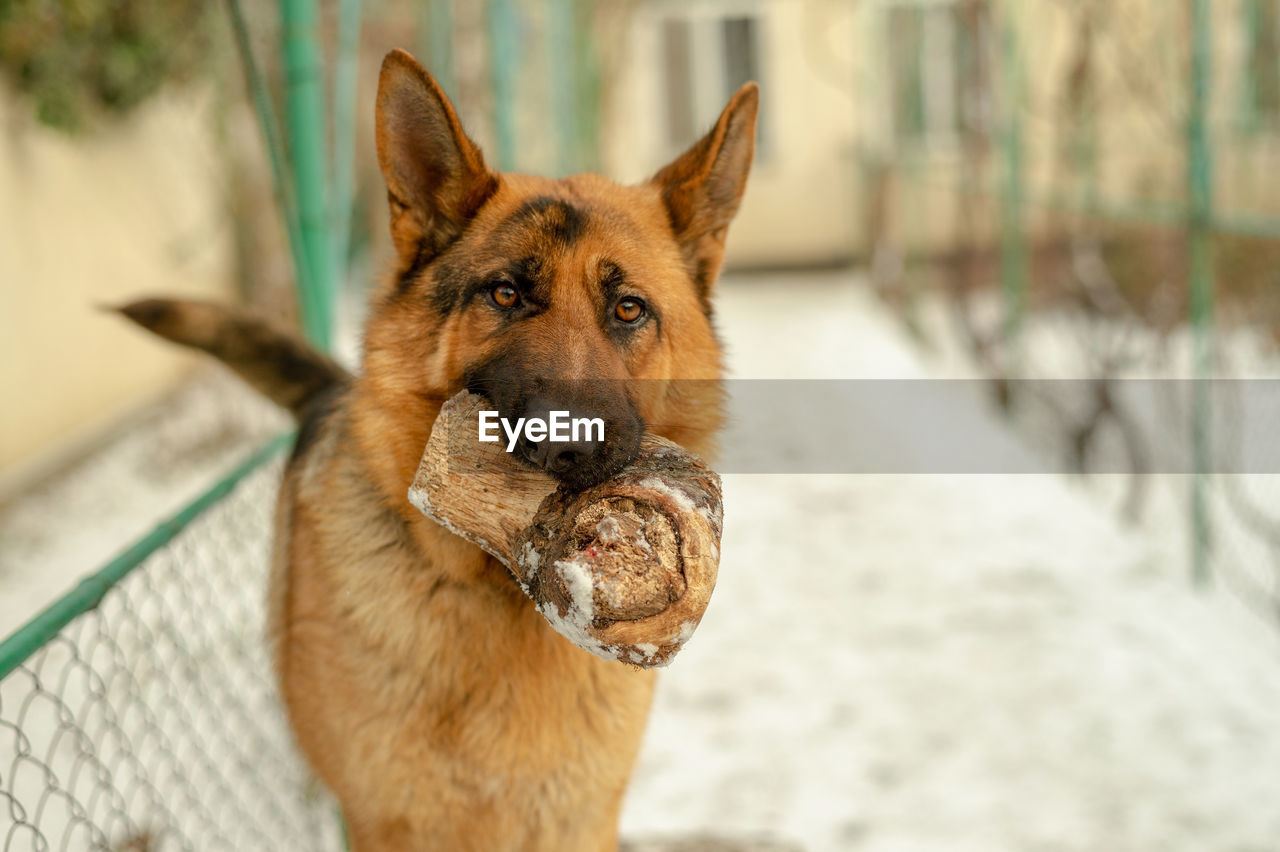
(423, 687)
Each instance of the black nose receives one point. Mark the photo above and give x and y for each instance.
(591, 455)
(559, 459)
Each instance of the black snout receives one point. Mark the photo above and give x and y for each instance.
(600, 439)
(559, 458)
(609, 427)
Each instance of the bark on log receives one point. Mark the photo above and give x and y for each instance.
(623, 569)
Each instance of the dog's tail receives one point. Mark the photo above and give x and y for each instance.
(275, 362)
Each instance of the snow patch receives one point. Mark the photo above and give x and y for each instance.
(609, 530)
(421, 502)
(574, 623)
(675, 495)
(714, 516)
(576, 632)
(530, 560)
(577, 580)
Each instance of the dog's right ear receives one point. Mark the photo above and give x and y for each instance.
(436, 176)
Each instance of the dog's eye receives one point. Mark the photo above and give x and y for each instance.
(629, 310)
(504, 295)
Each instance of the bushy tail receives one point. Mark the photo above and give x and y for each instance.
(276, 363)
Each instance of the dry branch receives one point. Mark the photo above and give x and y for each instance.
(623, 569)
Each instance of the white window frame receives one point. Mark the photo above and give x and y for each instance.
(1258, 118)
(706, 43)
(939, 45)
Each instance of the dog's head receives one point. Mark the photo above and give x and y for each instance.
(574, 294)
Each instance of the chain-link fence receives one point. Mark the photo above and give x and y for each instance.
(140, 712)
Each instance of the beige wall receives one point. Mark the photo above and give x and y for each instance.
(1141, 61)
(799, 206)
(95, 220)
(827, 113)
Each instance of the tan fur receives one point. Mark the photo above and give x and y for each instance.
(423, 687)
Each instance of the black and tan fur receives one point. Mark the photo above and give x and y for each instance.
(421, 684)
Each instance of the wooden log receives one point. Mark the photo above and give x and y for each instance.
(624, 569)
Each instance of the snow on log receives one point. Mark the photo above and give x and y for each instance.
(623, 569)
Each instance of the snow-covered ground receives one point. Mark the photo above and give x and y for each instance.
(890, 662)
(935, 662)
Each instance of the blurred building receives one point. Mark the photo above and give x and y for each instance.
(888, 129)
(683, 60)
(899, 120)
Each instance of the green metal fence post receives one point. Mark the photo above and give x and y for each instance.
(1248, 95)
(435, 41)
(344, 125)
(1200, 280)
(588, 89)
(271, 136)
(561, 61)
(503, 64)
(304, 114)
(1013, 248)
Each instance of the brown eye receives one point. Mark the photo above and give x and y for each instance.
(504, 296)
(629, 310)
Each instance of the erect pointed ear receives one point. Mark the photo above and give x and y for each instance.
(436, 176)
(702, 187)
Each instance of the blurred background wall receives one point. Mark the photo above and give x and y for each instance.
(130, 165)
(1082, 188)
(682, 63)
(86, 223)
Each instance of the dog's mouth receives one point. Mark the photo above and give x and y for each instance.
(579, 466)
(580, 444)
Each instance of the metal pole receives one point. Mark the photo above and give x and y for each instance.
(304, 117)
(561, 61)
(503, 63)
(1013, 248)
(267, 121)
(344, 128)
(1249, 119)
(587, 59)
(435, 41)
(1200, 280)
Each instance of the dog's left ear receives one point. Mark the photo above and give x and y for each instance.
(436, 176)
(703, 186)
